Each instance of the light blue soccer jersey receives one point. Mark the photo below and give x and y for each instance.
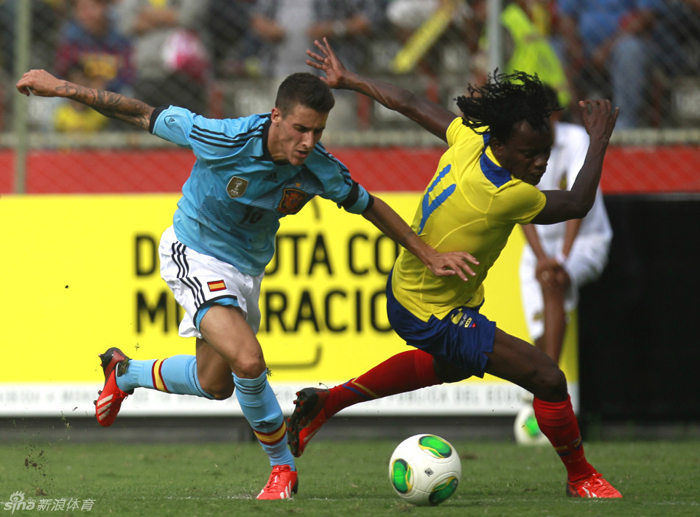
(235, 196)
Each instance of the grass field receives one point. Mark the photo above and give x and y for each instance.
(340, 479)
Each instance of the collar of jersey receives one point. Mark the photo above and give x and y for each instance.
(490, 167)
(265, 133)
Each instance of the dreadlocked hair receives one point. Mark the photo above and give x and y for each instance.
(505, 100)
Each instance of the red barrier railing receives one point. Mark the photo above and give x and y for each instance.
(628, 170)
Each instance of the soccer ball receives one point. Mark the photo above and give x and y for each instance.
(527, 432)
(425, 470)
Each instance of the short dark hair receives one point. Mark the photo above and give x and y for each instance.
(506, 100)
(305, 89)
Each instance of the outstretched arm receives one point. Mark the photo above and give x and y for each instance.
(562, 205)
(110, 104)
(429, 115)
(441, 264)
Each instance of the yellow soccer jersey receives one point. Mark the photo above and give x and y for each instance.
(472, 205)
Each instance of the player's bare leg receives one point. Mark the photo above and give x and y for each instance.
(527, 432)
(227, 334)
(214, 371)
(519, 362)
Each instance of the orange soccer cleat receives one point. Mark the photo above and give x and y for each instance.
(282, 484)
(593, 486)
(110, 398)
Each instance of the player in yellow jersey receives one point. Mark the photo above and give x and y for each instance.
(484, 186)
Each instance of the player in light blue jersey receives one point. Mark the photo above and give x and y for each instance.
(249, 173)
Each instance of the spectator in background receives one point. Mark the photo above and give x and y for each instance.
(408, 16)
(282, 26)
(170, 53)
(72, 117)
(609, 41)
(46, 19)
(91, 42)
(677, 38)
(7, 36)
(351, 23)
(525, 47)
(228, 24)
(560, 258)
(290, 26)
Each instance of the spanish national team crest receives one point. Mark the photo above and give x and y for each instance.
(292, 201)
(236, 187)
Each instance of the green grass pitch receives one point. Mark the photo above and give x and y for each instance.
(341, 479)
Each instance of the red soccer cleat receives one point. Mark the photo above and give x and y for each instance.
(594, 486)
(307, 419)
(282, 484)
(110, 398)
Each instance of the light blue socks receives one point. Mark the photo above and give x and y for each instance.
(263, 412)
(176, 374)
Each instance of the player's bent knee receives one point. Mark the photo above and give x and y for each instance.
(250, 369)
(219, 391)
(551, 385)
(223, 394)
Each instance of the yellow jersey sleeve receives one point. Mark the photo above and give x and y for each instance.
(457, 132)
(519, 203)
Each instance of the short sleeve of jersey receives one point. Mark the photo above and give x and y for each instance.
(207, 138)
(173, 124)
(338, 186)
(457, 131)
(520, 202)
(357, 200)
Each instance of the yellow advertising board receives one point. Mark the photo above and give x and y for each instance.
(80, 274)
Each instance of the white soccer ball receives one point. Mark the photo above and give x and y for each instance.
(425, 470)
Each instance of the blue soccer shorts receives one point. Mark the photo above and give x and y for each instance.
(462, 338)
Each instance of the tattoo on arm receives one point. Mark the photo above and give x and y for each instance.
(110, 104)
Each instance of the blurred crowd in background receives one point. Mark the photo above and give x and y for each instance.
(223, 57)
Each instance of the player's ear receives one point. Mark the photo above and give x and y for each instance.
(496, 146)
(276, 116)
